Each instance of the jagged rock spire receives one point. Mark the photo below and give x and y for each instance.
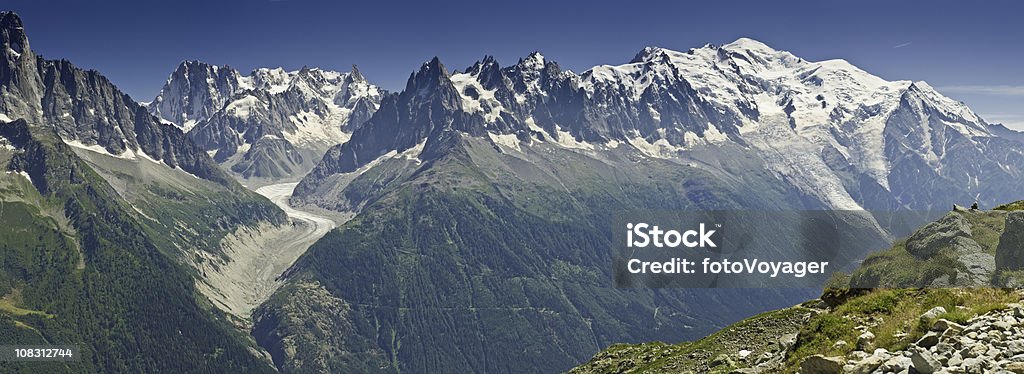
(355, 75)
(19, 77)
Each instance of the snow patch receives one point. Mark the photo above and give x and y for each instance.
(712, 135)
(506, 140)
(413, 153)
(89, 147)
(21, 173)
(128, 154)
(565, 139)
(661, 148)
(243, 107)
(484, 102)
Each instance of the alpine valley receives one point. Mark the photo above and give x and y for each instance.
(309, 221)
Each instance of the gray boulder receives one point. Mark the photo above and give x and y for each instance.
(924, 362)
(980, 267)
(819, 364)
(868, 365)
(933, 313)
(937, 235)
(944, 324)
(866, 341)
(897, 364)
(929, 340)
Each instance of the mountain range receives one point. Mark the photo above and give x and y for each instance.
(270, 124)
(473, 205)
(845, 138)
(462, 165)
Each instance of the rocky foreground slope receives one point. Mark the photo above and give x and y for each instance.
(976, 328)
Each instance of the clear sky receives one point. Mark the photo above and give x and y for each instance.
(971, 51)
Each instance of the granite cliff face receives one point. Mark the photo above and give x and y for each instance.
(20, 83)
(194, 92)
(88, 111)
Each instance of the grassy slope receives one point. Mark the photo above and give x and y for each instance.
(759, 334)
(894, 317)
(185, 215)
(892, 313)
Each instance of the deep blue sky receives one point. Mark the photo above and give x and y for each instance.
(970, 51)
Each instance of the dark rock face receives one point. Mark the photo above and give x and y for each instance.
(269, 157)
(20, 85)
(201, 89)
(429, 105)
(1010, 252)
(83, 106)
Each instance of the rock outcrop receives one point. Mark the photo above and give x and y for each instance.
(945, 232)
(958, 250)
(1010, 252)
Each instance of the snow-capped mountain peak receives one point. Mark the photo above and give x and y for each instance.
(274, 80)
(268, 111)
(194, 91)
(533, 61)
(827, 128)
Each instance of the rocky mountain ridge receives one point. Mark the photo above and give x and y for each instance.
(183, 202)
(87, 110)
(848, 138)
(82, 266)
(271, 123)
